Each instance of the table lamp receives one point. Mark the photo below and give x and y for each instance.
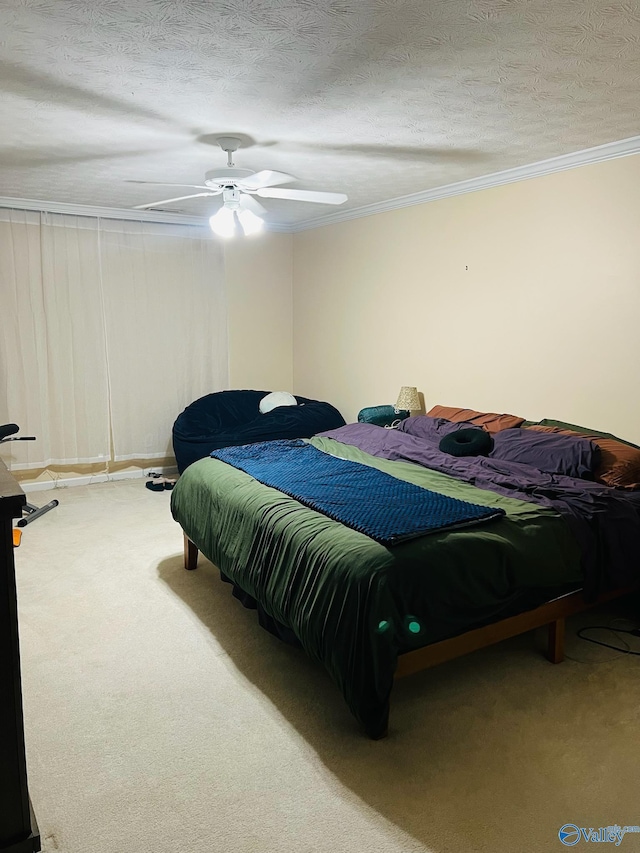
(408, 400)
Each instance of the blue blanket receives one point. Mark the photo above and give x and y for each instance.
(374, 503)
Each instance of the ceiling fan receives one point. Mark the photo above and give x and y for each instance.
(238, 188)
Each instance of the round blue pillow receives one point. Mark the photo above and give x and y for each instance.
(467, 442)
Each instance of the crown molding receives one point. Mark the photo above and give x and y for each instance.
(598, 154)
(124, 213)
(101, 212)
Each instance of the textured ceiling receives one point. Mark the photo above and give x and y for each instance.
(375, 98)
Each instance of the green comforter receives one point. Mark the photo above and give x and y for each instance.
(353, 603)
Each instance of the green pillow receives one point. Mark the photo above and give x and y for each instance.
(381, 415)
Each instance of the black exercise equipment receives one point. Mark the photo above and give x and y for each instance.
(30, 512)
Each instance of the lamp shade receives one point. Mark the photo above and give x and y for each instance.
(408, 399)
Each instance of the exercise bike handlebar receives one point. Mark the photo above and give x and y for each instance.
(7, 433)
(30, 511)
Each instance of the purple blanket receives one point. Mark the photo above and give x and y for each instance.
(605, 521)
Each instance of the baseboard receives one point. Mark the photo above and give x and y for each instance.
(90, 479)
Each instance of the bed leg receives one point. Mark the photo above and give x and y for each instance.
(555, 644)
(190, 554)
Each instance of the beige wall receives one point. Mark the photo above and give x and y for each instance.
(523, 298)
(259, 279)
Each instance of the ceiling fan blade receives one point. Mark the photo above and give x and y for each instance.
(265, 178)
(168, 200)
(248, 202)
(303, 195)
(164, 184)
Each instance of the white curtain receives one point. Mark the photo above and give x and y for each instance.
(52, 340)
(166, 325)
(107, 330)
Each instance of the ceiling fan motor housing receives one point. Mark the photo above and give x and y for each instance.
(221, 177)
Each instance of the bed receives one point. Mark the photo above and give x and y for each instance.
(369, 611)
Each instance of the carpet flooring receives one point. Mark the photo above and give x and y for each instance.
(160, 718)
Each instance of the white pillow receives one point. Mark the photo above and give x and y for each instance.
(275, 399)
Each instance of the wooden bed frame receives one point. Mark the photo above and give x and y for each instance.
(552, 614)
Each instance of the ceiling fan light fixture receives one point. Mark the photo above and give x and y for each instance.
(251, 224)
(223, 222)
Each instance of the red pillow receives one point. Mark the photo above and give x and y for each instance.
(491, 421)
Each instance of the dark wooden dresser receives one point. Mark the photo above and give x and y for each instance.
(18, 828)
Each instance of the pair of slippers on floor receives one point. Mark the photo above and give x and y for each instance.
(159, 484)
